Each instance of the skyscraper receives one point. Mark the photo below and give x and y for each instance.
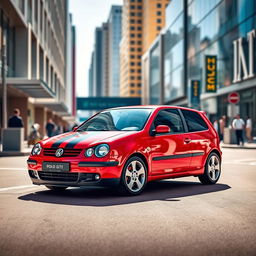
(141, 22)
(114, 36)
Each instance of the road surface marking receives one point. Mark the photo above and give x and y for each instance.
(13, 168)
(16, 187)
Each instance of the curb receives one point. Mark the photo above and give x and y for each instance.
(13, 153)
(237, 147)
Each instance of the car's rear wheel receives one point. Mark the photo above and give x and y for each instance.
(134, 177)
(55, 188)
(212, 170)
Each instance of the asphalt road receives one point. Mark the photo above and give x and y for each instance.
(172, 217)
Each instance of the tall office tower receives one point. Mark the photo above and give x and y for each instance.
(138, 15)
(153, 20)
(114, 36)
(105, 60)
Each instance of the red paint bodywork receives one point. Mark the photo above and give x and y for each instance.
(124, 144)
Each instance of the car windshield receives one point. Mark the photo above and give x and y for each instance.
(127, 119)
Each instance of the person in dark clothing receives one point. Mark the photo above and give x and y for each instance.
(16, 120)
(50, 128)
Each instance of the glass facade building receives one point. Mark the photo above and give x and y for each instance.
(195, 29)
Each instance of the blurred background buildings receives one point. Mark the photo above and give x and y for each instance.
(193, 53)
(40, 61)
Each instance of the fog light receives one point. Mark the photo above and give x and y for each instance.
(97, 177)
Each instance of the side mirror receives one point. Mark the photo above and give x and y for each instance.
(162, 129)
(75, 128)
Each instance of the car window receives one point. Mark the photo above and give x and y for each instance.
(118, 120)
(171, 118)
(194, 121)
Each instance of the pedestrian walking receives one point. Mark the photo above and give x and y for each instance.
(238, 125)
(222, 124)
(15, 121)
(248, 129)
(50, 128)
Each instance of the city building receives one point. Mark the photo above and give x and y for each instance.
(114, 36)
(141, 22)
(39, 38)
(104, 71)
(205, 52)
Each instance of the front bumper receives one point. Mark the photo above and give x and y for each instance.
(81, 173)
(70, 179)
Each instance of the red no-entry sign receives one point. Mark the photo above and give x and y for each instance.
(233, 98)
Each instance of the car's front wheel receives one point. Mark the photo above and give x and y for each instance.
(134, 176)
(212, 170)
(55, 188)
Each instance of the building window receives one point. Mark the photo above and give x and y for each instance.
(139, 14)
(132, 91)
(139, 56)
(132, 28)
(139, 28)
(132, 21)
(139, 85)
(139, 42)
(158, 5)
(139, 77)
(139, 49)
(139, 70)
(132, 42)
(132, 49)
(132, 77)
(132, 35)
(132, 7)
(158, 13)
(132, 84)
(132, 56)
(139, 63)
(132, 63)
(139, 35)
(132, 70)
(158, 28)
(132, 13)
(158, 20)
(139, 7)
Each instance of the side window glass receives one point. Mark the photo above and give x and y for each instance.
(171, 118)
(194, 121)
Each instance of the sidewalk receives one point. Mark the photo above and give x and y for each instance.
(234, 146)
(25, 152)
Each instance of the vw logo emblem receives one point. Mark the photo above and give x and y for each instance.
(59, 152)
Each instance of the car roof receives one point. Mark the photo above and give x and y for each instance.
(154, 107)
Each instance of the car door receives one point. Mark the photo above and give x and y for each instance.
(200, 138)
(170, 152)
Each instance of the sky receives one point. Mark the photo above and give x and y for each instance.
(87, 15)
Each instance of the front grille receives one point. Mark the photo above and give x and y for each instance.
(59, 176)
(67, 152)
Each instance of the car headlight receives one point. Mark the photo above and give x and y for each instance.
(89, 152)
(102, 150)
(36, 150)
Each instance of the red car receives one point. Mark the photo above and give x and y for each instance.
(128, 147)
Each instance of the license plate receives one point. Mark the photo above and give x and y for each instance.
(55, 166)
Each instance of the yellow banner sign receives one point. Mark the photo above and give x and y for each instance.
(211, 73)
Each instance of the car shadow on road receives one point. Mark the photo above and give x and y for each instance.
(166, 190)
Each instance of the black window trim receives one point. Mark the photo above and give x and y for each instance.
(151, 130)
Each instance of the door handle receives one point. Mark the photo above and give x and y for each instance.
(187, 140)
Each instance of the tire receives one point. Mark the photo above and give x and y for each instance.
(55, 188)
(212, 170)
(134, 177)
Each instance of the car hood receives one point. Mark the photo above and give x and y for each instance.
(82, 139)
